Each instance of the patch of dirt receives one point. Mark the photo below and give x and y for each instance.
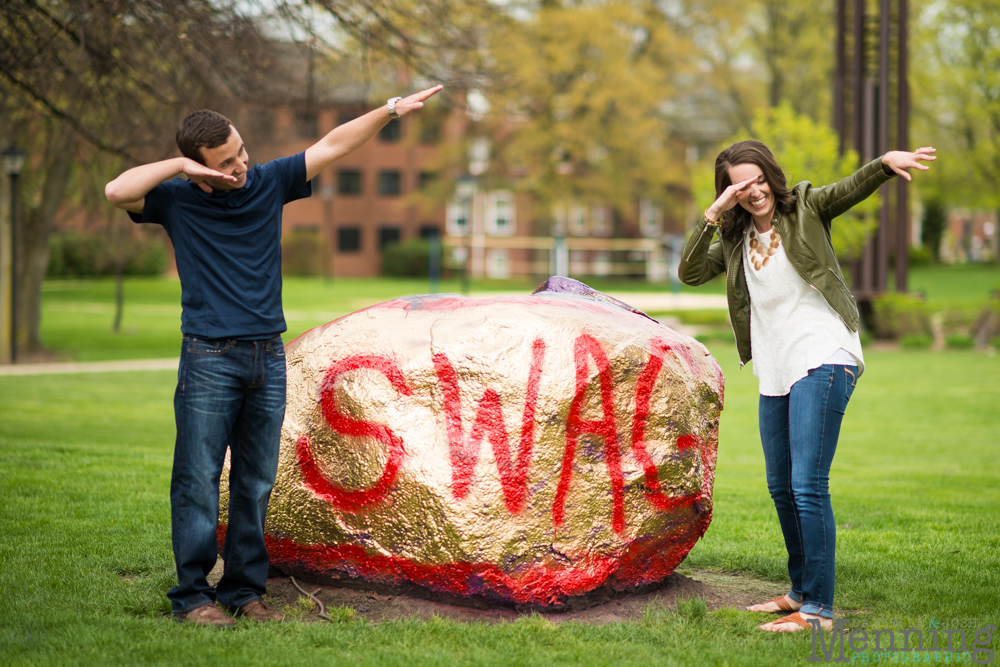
(375, 604)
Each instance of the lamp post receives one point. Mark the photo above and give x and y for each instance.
(465, 192)
(12, 160)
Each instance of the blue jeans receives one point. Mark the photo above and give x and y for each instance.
(230, 394)
(799, 432)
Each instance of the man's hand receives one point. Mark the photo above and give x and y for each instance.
(415, 101)
(345, 139)
(199, 174)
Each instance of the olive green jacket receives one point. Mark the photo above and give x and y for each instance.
(805, 233)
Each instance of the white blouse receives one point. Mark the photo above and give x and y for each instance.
(792, 327)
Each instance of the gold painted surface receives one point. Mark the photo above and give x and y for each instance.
(489, 344)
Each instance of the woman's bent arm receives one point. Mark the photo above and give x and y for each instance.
(701, 259)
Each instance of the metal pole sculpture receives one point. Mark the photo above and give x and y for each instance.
(873, 96)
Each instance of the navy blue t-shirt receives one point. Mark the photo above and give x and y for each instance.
(228, 248)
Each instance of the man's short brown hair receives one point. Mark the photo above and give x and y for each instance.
(202, 129)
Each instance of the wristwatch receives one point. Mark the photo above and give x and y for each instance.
(392, 106)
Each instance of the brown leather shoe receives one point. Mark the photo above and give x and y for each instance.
(208, 615)
(256, 611)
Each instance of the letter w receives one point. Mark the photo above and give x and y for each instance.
(489, 421)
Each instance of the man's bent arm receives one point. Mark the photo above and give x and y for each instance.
(345, 139)
(129, 190)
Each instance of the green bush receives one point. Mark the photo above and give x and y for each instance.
(88, 255)
(916, 341)
(898, 315)
(300, 254)
(920, 257)
(958, 342)
(958, 321)
(407, 260)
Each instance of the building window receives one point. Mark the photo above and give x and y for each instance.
(650, 219)
(600, 221)
(428, 231)
(577, 220)
(498, 264)
(349, 239)
(387, 235)
(458, 216)
(391, 133)
(500, 213)
(426, 179)
(390, 182)
(349, 181)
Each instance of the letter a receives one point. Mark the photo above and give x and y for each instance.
(584, 347)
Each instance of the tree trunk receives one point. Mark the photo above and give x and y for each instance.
(36, 222)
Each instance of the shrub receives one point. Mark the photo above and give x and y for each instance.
(920, 257)
(407, 260)
(958, 342)
(80, 255)
(897, 315)
(916, 341)
(957, 321)
(300, 254)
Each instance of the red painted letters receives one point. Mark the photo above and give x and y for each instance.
(343, 499)
(584, 347)
(489, 423)
(489, 419)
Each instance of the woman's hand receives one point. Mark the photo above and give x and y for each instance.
(727, 199)
(900, 161)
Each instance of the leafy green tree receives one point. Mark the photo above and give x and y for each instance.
(574, 104)
(806, 151)
(956, 99)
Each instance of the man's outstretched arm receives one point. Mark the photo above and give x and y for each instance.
(344, 139)
(129, 190)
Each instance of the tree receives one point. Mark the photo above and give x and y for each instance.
(574, 104)
(957, 109)
(806, 150)
(92, 86)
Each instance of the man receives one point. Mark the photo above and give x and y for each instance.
(225, 224)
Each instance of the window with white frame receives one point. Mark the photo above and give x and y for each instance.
(500, 213)
(600, 221)
(459, 216)
(497, 263)
(650, 219)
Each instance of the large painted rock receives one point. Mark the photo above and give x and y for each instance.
(522, 449)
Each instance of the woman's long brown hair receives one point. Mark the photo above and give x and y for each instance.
(750, 152)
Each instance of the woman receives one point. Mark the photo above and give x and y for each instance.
(793, 314)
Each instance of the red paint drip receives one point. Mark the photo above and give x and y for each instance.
(642, 563)
(586, 346)
(353, 501)
(489, 422)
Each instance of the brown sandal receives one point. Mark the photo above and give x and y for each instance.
(782, 603)
(795, 618)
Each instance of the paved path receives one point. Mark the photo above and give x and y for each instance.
(91, 367)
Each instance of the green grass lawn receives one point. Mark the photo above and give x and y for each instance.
(85, 557)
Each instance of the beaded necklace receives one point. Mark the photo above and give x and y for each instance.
(760, 255)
